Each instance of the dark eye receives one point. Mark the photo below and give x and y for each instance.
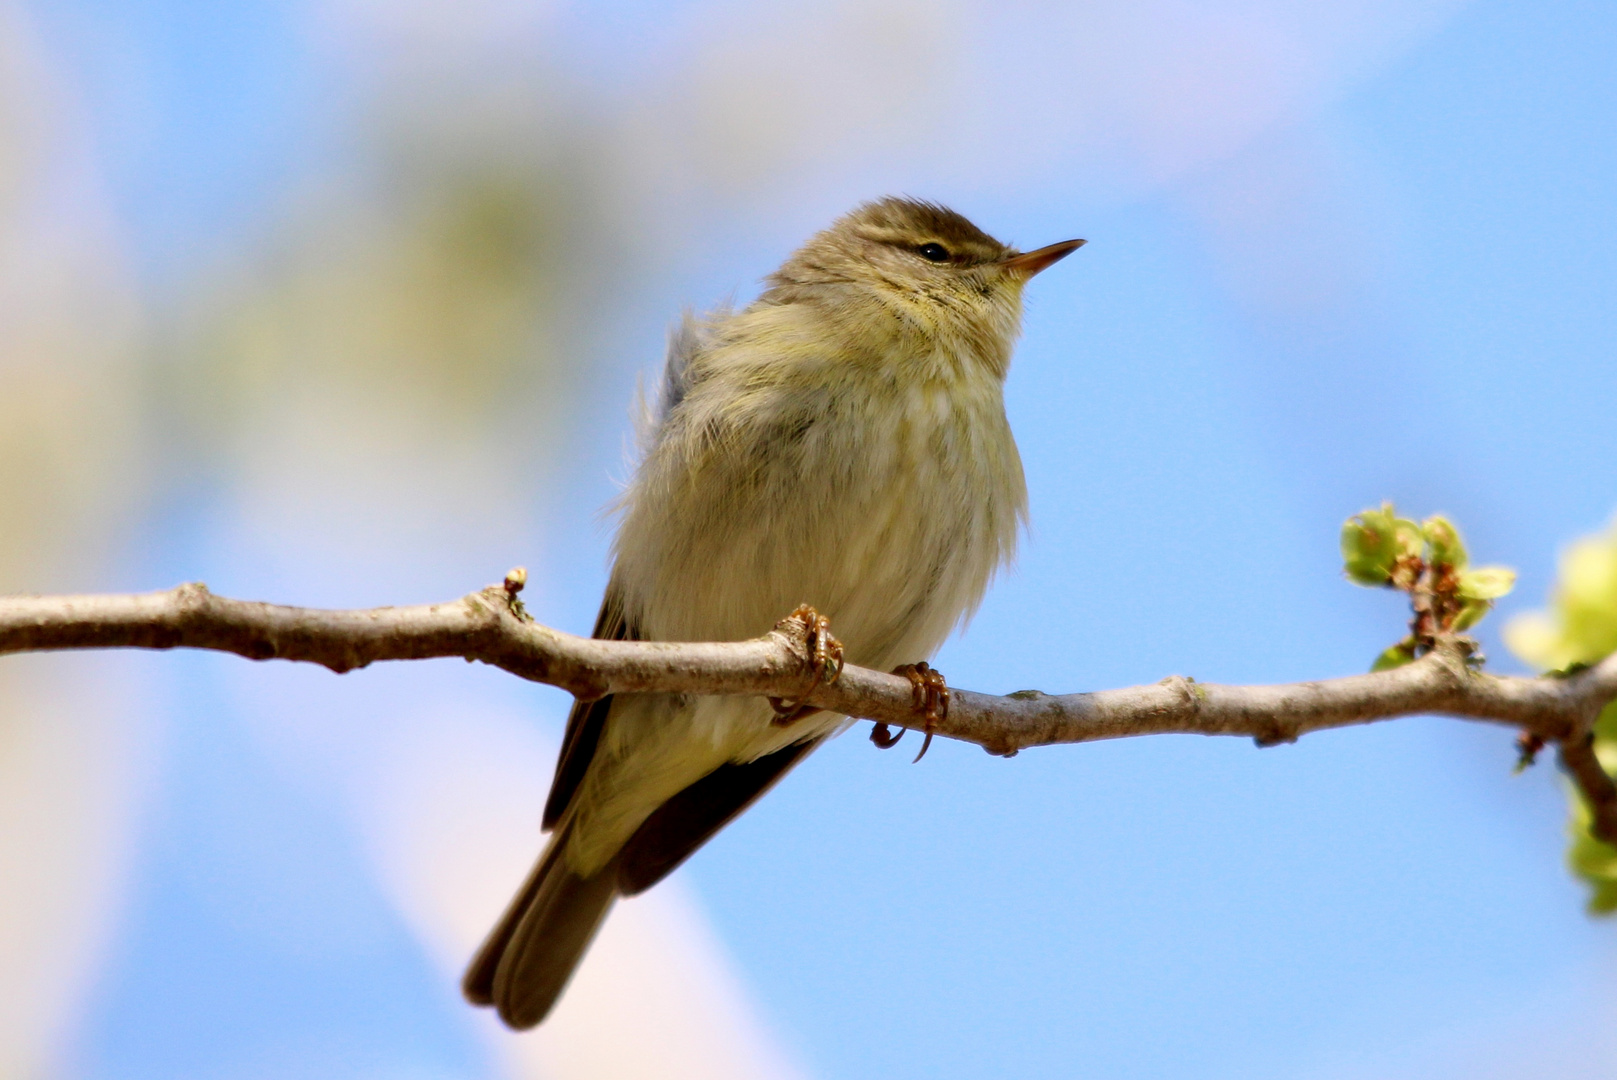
(933, 252)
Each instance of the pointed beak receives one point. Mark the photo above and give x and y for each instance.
(1025, 266)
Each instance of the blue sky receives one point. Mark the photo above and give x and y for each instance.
(1387, 270)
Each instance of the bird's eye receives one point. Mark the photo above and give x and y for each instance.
(933, 252)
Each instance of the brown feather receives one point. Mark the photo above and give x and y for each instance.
(587, 719)
(687, 821)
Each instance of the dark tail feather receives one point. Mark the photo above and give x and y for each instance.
(530, 955)
(526, 961)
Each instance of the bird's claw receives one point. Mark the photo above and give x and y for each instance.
(883, 736)
(931, 701)
(825, 659)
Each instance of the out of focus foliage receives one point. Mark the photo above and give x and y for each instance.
(73, 449)
(1580, 628)
(437, 298)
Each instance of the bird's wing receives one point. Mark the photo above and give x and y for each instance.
(588, 718)
(688, 820)
(528, 957)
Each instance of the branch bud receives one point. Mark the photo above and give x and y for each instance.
(1443, 540)
(1370, 546)
(1395, 656)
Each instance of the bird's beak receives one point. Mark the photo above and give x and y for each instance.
(1025, 266)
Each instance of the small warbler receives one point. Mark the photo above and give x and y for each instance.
(841, 442)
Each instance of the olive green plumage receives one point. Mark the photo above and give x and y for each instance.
(840, 442)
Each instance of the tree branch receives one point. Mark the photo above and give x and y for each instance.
(490, 626)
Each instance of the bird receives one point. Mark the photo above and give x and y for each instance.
(841, 442)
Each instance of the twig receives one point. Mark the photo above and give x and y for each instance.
(1578, 759)
(490, 626)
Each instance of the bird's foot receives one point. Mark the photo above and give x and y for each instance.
(931, 701)
(825, 659)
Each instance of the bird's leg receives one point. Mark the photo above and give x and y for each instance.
(931, 701)
(825, 659)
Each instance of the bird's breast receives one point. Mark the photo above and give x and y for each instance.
(887, 505)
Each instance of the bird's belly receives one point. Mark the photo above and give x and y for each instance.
(890, 528)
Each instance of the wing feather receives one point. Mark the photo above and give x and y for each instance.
(588, 718)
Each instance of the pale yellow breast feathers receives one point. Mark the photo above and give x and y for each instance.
(815, 457)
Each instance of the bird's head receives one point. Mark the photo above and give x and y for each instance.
(920, 269)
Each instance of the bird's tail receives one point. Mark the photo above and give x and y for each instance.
(531, 953)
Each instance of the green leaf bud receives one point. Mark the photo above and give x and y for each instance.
(1395, 656)
(1369, 547)
(1486, 583)
(1444, 541)
(1471, 613)
(1410, 541)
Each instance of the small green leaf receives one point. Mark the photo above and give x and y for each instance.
(1486, 583)
(1395, 656)
(1471, 613)
(1369, 546)
(1444, 540)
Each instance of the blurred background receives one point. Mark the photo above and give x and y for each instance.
(344, 302)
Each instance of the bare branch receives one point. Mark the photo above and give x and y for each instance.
(490, 626)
